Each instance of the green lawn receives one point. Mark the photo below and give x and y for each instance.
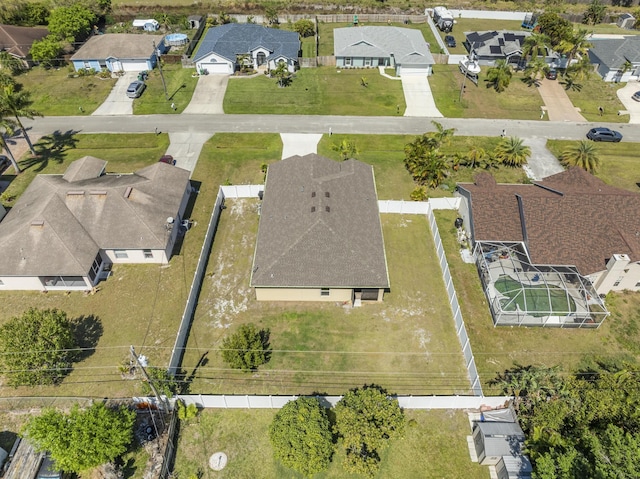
(317, 91)
(54, 93)
(619, 165)
(498, 348)
(433, 447)
(180, 85)
(595, 93)
(517, 102)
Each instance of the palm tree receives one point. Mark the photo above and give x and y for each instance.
(577, 44)
(11, 63)
(16, 103)
(346, 148)
(475, 156)
(6, 79)
(584, 155)
(7, 128)
(535, 70)
(536, 45)
(442, 135)
(499, 76)
(511, 151)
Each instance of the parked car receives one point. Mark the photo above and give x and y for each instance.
(552, 74)
(135, 89)
(450, 41)
(4, 163)
(604, 134)
(167, 159)
(636, 96)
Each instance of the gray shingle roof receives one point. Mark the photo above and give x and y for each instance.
(239, 38)
(613, 52)
(57, 226)
(498, 44)
(407, 45)
(129, 46)
(501, 438)
(320, 226)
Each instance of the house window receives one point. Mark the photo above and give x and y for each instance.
(637, 284)
(95, 267)
(121, 254)
(347, 62)
(324, 292)
(147, 253)
(260, 58)
(58, 281)
(367, 62)
(618, 281)
(1, 283)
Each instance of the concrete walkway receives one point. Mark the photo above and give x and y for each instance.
(542, 163)
(632, 107)
(299, 144)
(118, 103)
(185, 148)
(559, 107)
(418, 96)
(208, 96)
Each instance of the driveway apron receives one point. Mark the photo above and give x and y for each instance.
(542, 162)
(418, 96)
(118, 103)
(208, 96)
(632, 107)
(185, 148)
(299, 144)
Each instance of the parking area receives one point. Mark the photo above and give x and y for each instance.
(632, 107)
(117, 103)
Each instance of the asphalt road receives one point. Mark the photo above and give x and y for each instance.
(317, 124)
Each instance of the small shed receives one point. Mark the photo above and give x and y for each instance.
(148, 25)
(194, 21)
(514, 468)
(493, 440)
(626, 21)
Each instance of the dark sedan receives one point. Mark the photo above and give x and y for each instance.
(450, 41)
(604, 134)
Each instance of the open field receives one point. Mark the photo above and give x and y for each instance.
(407, 343)
(498, 348)
(317, 91)
(433, 447)
(619, 162)
(180, 86)
(54, 93)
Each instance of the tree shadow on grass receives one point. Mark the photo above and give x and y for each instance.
(87, 331)
(51, 148)
(184, 380)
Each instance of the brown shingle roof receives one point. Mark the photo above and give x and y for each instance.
(320, 226)
(18, 40)
(118, 45)
(572, 218)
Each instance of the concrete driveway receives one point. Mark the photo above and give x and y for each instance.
(418, 96)
(632, 106)
(299, 144)
(208, 95)
(117, 103)
(559, 107)
(185, 148)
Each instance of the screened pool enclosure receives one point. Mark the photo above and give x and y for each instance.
(524, 294)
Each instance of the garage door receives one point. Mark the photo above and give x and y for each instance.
(410, 71)
(216, 68)
(134, 66)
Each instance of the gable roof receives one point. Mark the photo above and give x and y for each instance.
(501, 438)
(407, 45)
(571, 218)
(58, 225)
(130, 46)
(319, 226)
(613, 52)
(240, 38)
(18, 40)
(498, 44)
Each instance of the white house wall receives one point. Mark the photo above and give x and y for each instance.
(303, 294)
(273, 64)
(135, 256)
(213, 63)
(21, 283)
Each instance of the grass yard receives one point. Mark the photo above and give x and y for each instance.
(180, 86)
(433, 447)
(325, 32)
(317, 91)
(498, 348)
(133, 306)
(619, 162)
(595, 93)
(55, 94)
(518, 102)
(407, 343)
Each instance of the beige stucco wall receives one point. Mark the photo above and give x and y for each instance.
(136, 256)
(627, 273)
(302, 294)
(16, 283)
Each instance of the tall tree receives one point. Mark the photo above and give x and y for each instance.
(442, 136)
(555, 27)
(535, 71)
(282, 73)
(47, 51)
(301, 436)
(499, 76)
(82, 439)
(535, 45)
(11, 63)
(37, 347)
(7, 129)
(584, 155)
(511, 151)
(575, 44)
(71, 23)
(595, 13)
(366, 420)
(17, 103)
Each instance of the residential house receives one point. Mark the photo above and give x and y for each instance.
(370, 47)
(490, 46)
(319, 236)
(17, 41)
(570, 232)
(616, 59)
(119, 52)
(261, 47)
(65, 231)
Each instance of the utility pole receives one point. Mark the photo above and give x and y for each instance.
(146, 376)
(164, 85)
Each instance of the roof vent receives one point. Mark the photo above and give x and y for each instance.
(327, 209)
(327, 195)
(313, 209)
(39, 223)
(313, 194)
(75, 193)
(127, 192)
